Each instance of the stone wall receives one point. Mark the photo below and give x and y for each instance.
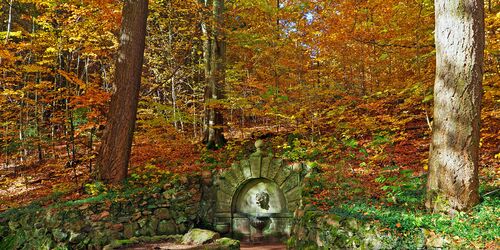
(95, 222)
(314, 229)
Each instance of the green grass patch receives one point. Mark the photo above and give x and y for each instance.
(478, 225)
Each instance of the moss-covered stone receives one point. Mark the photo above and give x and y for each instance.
(162, 214)
(228, 243)
(198, 236)
(151, 227)
(167, 227)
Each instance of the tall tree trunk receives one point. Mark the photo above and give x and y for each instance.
(114, 152)
(207, 52)
(215, 67)
(9, 22)
(453, 163)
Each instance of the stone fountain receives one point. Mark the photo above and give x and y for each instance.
(259, 221)
(256, 198)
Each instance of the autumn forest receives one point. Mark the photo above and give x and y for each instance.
(252, 124)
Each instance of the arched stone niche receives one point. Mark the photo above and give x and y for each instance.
(259, 192)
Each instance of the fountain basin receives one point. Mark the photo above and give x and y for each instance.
(259, 222)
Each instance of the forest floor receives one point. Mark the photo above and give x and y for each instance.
(376, 144)
(34, 180)
(263, 247)
(371, 160)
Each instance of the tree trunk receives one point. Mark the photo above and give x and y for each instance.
(9, 22)
(453, 163)
(114, 152)
(215, 77)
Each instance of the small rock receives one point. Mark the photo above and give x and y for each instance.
(198, 236)
(228, 243)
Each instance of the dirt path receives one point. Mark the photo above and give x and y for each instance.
(172, 246)
(272, 246)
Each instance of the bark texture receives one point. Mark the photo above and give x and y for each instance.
(215, 53)
(114, 152)
(453, 162)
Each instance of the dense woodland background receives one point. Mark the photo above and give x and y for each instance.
(344, 84)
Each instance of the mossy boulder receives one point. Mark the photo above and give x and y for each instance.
(198, 236)
(228, 243)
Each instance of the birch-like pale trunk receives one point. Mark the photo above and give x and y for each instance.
(9, 22)
(214, 53)
(453, 163)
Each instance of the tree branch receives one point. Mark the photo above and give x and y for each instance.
(379, 44)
